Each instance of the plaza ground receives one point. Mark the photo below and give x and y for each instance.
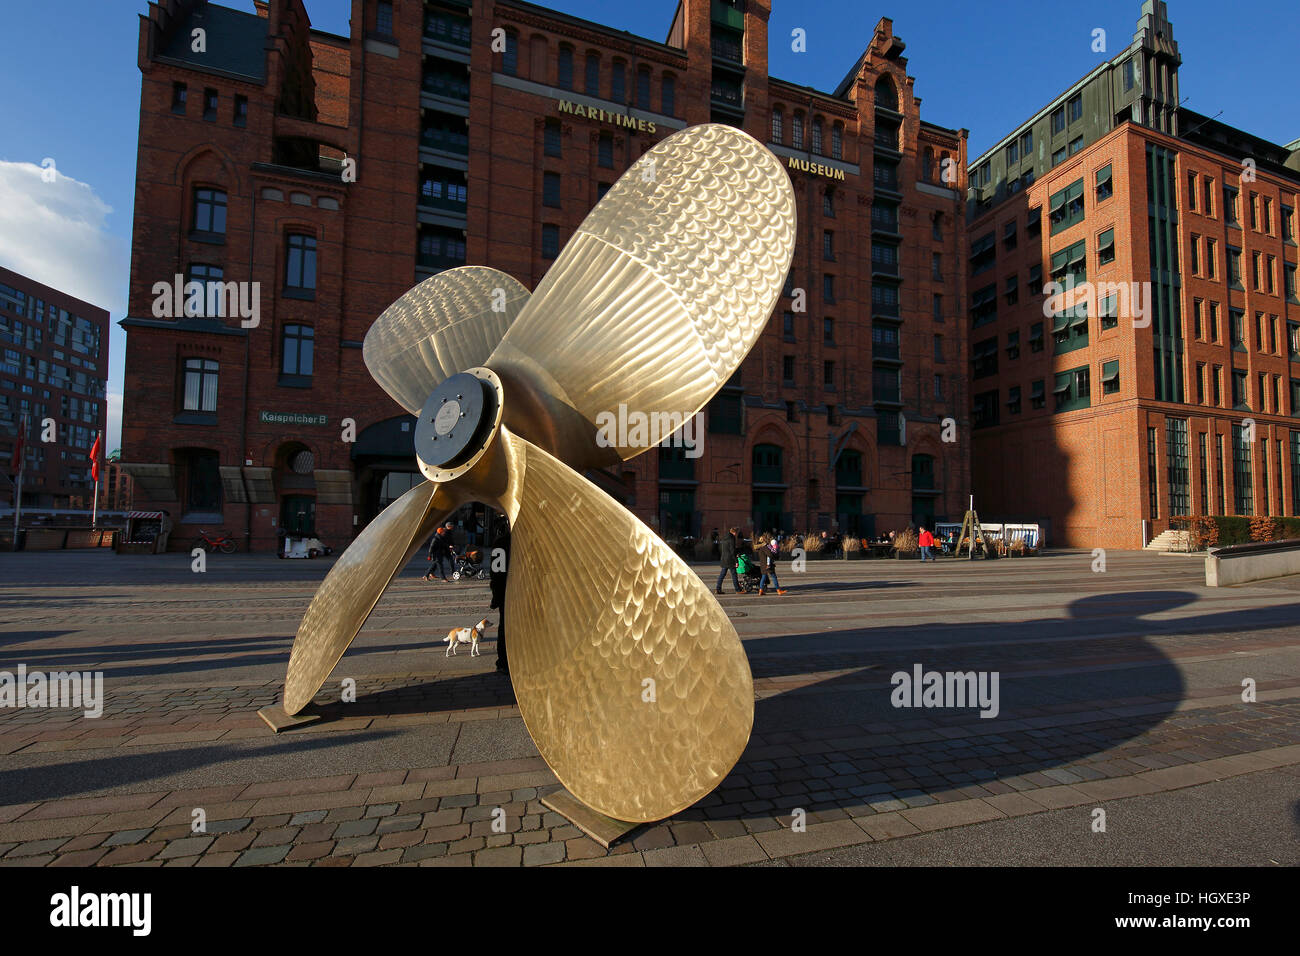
(1119, 690)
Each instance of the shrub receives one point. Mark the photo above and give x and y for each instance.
(905, 542)
(1202, 531)
(1290, 527)
(813, 543)
(1264, 528)
(1232, 529)
(849, 545)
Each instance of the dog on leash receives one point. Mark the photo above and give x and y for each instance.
(466, 635)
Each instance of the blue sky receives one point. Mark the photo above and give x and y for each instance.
(73, 94)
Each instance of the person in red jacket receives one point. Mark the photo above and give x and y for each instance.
(926, 541)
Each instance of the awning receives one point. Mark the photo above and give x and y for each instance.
(1061, 389)
(1060, 321)
(1110, 376)
(1080, 318)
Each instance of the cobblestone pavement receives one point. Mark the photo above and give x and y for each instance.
(1111, 685)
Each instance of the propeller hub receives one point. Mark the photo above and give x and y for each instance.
(457, 421)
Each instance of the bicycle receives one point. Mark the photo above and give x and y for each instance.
(215, 541)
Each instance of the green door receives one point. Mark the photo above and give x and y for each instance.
(298, 515)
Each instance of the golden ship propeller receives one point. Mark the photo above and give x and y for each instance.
(652, 305)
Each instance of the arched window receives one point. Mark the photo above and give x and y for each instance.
(618, 83)
(537, 60)
(817, 137)
(837, 141)
(848, 469)
(797, 131)
(510, 55)
(643, 88)
(592, 87)
(778, 126)
(927, 165)
(668, 95)
(564, 68)
(886, 94)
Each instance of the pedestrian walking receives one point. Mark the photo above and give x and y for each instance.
(926, 541)
(440, 551)
(771, 552)
(727, 548)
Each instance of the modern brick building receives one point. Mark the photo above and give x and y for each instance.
(1108, 414)
(336, 172)
(55, 367)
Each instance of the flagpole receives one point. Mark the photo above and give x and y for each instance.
(94, 507)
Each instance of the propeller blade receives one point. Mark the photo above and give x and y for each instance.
(448, 323)
(657, 298)
(629, 676)
(355, 583)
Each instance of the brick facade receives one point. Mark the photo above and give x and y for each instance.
(453, 163)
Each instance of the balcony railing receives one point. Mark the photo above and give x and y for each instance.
(889, 309)
(885, 350)
(451, 205)
(452, 31)
(880, 267)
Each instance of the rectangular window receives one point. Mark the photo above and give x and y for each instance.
(1194, 260)
(551, 144)
(1153, 487)
(1065, 208)
(985, 411)
(1218, 386)
(668, 96)
(592, 75)
(179, 95)
(1106, 247)
(828, 374)
(241, 110)
(1200, 383)
(605, 151)
(1074, 108)
(1288, 228)
(1214, 322)
(1058, 156)
(1230, 206)
(1110, 377)
(936, 265)
(937, 300)
(550, 241)
(1204, 465)
(787, 370)
(550, 189)
(1239, 397)
(297, 347)
(210, 211)
(1013, 400)
(1105, 187)
(1242, 479)
(1237, 329)
(1073, 389)
(828, 331)
(1295, 472)
(787, 325)
(1211, 258)
(1037, 394)
(1207, 196)
(1076, 144)
(300, 262)
(384, 18)
(209, 104)
(1013, 345)
(1176, 464)
(1198, 328)
(828, 288)
(938, 348)
(1036, 337)
(200, 393)
(828, 244)
(1058, 119)
(1191, 191)
(510, 55)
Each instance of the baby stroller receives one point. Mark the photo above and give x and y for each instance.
(748, 573)
(470, 565)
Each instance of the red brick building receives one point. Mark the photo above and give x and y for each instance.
(1117, 411)
(54, 369)
(337, 172)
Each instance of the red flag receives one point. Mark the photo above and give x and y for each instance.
(94, 457)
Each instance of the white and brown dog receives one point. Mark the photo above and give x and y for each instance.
(466, 635)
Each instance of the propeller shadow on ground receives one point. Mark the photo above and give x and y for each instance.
(841, 742)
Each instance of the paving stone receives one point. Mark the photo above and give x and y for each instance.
(263, 856)
(191, 846)
(544, 854)
(355, 828)
(308, 816)
(351, 846)
(36, 847)
(499, 856)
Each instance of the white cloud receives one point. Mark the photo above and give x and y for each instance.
(57, 233)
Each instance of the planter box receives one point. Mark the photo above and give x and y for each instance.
(44, 539)
(855, 555)
(907, 555)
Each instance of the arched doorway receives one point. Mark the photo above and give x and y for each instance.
(295, 485)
